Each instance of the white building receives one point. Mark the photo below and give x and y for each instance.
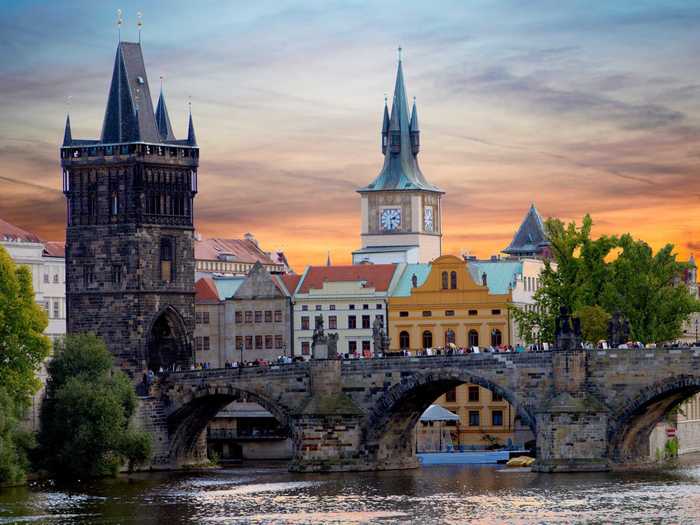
(349, 298)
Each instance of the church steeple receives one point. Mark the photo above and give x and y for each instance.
(162, 118)
(385, 128)
(415, 132)
(67, 135)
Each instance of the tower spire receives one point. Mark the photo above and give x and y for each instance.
(191, 138)
(385, 127)
(67, 135)
(162, 119)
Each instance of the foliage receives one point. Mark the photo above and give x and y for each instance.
(85, 421)
(594, 323)
(23, 348)
(611, 273)
(671, 448)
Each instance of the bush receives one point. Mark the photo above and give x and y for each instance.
(85, 421)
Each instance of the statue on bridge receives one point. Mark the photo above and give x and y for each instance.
(381, 341)
(618, 330)
(567, 331)
(323, 346)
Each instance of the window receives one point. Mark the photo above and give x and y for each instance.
(305, 323)
(449, 313)
(248, 316)
(206, 343)
(365, 321)
(258, 316)
(496, 397)
(496, 337)
(427, 313)
(248, 342)
(318, 307)
(279, 341)
(116, 274)
(115, 203)
(497, 418)
(365, 347)
(473, 312)
(404, 340)
(56, 309)
(205, 317)
(427, 339)
(403, 314)
(278, 316)
(46, 278)
(198, 317)
(198, 344)
(304, 307)
(453, 280)
(352, 321)
(444, 280)
(258, 342)
(451, 396)
(268, 316)
(55, 278)
(305, 350)
(331, 307)
(379, 307)
(332, 322)
(88, 275)
(473, 418)
(473, 337)
(351, 307)
(365, 307)
(352, 347)
(239, 319)
(268, 342)
(167, 270)
(473, 394)
(449, 337)
(495, 312)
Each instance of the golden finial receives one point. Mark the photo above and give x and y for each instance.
(120, 21)
(400, 49)
(139, 24)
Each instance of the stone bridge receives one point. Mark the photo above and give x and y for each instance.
(588, 410)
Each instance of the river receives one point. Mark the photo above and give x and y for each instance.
(438, 494)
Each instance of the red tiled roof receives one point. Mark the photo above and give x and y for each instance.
(10, 232)
(242, 250)
(377, 276)
(290, 281)
(205, 291)
(54, 249)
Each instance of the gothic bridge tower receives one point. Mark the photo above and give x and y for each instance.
(401, 212)
(129, 235)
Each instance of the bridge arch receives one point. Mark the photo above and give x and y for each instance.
(388, 429)
(628, 435)
(188, 422)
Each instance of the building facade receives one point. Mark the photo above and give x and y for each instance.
(400, 210)
(129, 235)
(349, 299)
(235, 257)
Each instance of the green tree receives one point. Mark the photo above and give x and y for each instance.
(612, 273)
(85, 421)
(23, 348)
(594, 323)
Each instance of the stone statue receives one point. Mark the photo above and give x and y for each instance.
(381, 341)
(414, 280)
(318, 329)
(484, 279)
(332, 346)
(618, 330)
(568, 331)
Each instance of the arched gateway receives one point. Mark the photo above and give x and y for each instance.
(168, 345)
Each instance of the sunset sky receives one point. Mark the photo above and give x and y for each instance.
(576, 106)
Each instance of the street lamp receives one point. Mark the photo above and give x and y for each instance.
(240, 347)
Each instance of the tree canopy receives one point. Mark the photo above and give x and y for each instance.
(604, 275)
(85, 421)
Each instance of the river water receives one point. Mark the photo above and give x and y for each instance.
(438, 494)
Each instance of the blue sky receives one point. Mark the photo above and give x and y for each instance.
(577, 106)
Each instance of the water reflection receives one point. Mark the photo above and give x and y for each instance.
(444, 494)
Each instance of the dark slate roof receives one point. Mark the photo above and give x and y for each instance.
(400, 171)
(163, 120)
(530, 237)
(129, 116)
(67, 135)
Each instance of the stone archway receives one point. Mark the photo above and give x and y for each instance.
(388, 427)
(628, 435)
(168, 344)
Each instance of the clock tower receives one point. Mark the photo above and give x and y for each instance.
(400, 209)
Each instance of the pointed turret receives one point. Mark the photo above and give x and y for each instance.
(328, 259)
(385, 128)
(162, 119)
(415, 132)
(191, 138)
(531, 238)
(67, 135)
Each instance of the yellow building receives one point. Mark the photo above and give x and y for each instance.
(451, 304)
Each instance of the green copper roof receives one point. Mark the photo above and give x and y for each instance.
(227, 286)
(500, 275)
(400, 170)
(405, 285)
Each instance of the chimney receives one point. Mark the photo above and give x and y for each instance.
(250, 237)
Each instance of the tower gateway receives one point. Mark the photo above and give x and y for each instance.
(129, 235)
(400, 209)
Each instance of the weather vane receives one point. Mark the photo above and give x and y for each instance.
(120, 21)
(139, 24)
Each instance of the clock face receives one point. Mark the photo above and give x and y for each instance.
(428, 218)
(390, 219)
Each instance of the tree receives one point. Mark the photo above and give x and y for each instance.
(594, 323)
(85, 421)
(23, 348)
(610, 273)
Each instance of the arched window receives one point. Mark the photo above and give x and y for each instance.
(473, 338)
(404, 340)
(444, 280)
(115, 203)
(449, 337)
(496, 337)
(427, 339)
(453, 280)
